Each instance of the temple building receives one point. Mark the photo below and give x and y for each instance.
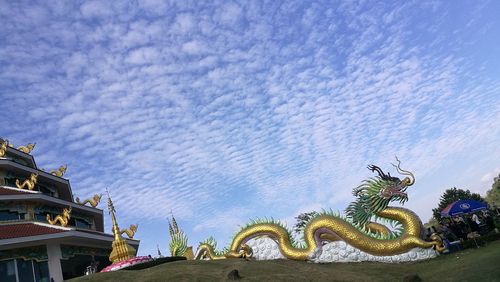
(44, 232)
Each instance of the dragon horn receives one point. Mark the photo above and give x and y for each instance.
(409, 180)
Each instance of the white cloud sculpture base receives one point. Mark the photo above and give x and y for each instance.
(265, 248)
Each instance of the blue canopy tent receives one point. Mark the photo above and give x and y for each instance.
(463, 207)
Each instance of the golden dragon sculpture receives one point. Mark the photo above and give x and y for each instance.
(3, 149)
(130, 231)
(27, 149)
(30, 182)
(356, 229)
(94, 201)
(60, 171)
(62, 219)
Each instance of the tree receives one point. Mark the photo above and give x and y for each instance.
(493, 195)
(302, 219)
(451, 195)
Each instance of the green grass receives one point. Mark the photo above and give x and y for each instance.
(468, 265)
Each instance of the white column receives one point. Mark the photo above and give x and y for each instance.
(54, 255)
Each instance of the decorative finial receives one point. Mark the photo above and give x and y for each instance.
(27, 149)
(94, 201)
(60, 171)
(111, 208)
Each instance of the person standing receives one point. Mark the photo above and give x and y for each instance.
(475, 218)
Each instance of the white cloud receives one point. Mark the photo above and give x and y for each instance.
(144, 55)
(230, 13)
(184, 23)
(488, 177)
(192, 47)
(95, 9)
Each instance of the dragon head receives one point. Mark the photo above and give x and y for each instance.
(33, 177)
(374, 194)
(394, 188)
(67, 212)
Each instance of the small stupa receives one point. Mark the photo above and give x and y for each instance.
(122, 254)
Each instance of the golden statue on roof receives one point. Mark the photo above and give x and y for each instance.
(3, 148)
(60, 171)
(62, 219)
(130, 231)
(27, 149)
(94, 201)
(29, 182)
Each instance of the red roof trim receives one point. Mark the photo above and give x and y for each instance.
(26, 230)
(6, 191)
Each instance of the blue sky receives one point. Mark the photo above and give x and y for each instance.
(222, 112)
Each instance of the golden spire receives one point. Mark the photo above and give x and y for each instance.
(121, 249)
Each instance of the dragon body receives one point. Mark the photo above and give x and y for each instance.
(94, 201)
(29, 183)
(357, 228)
(63, 219)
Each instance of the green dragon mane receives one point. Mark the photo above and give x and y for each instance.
(369, 199)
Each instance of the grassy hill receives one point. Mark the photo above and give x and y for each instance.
(469, 265)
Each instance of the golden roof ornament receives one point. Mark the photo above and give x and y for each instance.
(60, 171)
(29, 182)
(3, 148)
(130, 231)
(63, 218)
(27, 149)
(121, 249)
(94, 201)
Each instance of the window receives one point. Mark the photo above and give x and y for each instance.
(81, 223)
(14, 270)
(9, 215)
(46, 190)
(11, 182)
(8, 270)
(25, 270)
(41, 270)
(42, 216)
